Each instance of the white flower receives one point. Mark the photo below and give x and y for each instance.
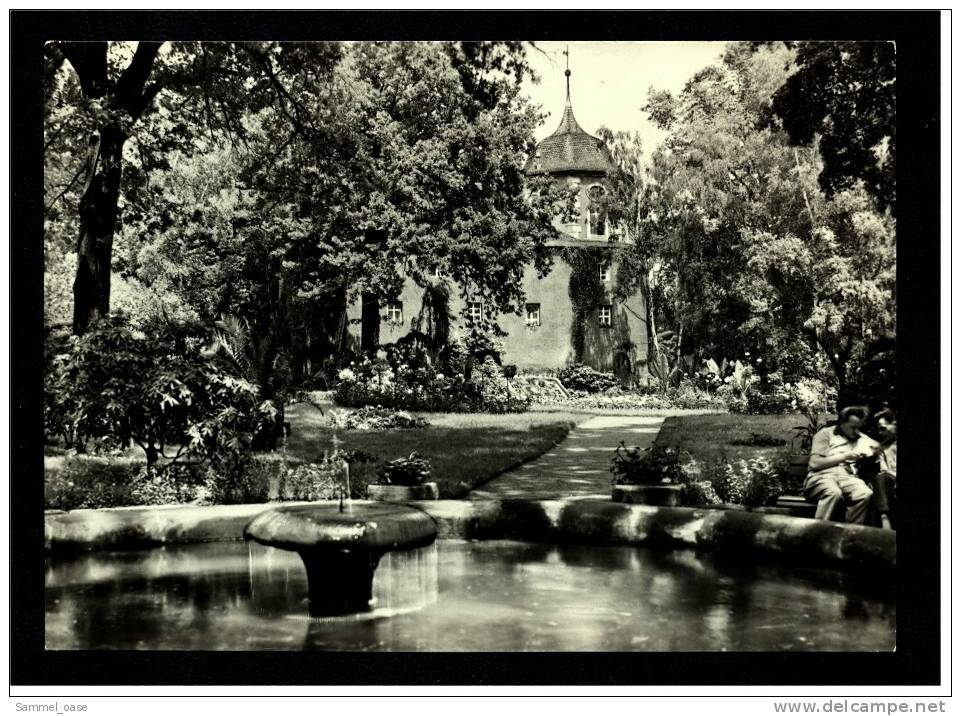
(347, 374)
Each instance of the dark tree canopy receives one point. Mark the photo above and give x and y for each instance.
(843, 94)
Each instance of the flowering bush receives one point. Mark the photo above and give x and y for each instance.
(752, 483)
(584, 378)
(410, 471)
(773, 396)
(375, 418)
(376, 382)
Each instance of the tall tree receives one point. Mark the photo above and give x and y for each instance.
(119, 85)
(428, 178)
(756, 258)
(843, 97)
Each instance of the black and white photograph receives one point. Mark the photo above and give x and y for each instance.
(544, 345)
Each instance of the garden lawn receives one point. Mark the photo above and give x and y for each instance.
(710, 437)
(464, 449)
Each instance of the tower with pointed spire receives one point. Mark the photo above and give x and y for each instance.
(582, 162)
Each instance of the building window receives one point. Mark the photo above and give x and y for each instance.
(395, 312)
(533, 315)
(604, 272)
(475, 311)
(604, 315)
(597, 210)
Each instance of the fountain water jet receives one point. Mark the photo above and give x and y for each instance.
(341, 550)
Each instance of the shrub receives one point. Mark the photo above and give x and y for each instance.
(324, 479)
(697, 489)
(645, 466)
(585, 378)
(85, 482)
(688, 396)
(410, 471)
(176, 484)
(494, 392)
(82, 482)
(158, 390)
(311, 481)
(752, 483)
(244, 481)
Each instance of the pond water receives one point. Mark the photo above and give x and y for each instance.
(463, 596)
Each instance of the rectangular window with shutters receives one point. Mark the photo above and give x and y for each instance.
(604, 315)
(604, 272)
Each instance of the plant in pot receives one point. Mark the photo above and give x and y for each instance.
(407, 478)
(649, 476)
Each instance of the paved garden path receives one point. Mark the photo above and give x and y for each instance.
(577, 466)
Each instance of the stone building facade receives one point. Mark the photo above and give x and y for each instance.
(557, 328)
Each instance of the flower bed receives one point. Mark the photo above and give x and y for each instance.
(755, 482)
(375, 382)
(376, 418)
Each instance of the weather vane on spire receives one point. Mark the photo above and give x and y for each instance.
(567, 69)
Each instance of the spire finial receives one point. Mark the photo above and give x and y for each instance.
(567, 71)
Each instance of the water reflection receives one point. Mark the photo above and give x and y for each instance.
(470, 596)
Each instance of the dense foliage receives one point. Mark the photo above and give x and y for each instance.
(159, 391)
(741, 251)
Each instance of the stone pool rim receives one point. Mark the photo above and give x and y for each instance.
(591, 520)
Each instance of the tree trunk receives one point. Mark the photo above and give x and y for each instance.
(98, 216)
(370, 323)
(654, 348)
(153, 455)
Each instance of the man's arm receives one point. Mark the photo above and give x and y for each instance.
(820, 460)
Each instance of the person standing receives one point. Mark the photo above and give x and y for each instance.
(832, 472)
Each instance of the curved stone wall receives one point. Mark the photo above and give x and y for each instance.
(586, 521)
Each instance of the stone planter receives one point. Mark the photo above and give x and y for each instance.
(403, 493)
(660, 495)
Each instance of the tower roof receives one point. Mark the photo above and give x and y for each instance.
(569, 148)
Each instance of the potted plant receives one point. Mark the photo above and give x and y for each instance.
(647, 476)
(407, 478)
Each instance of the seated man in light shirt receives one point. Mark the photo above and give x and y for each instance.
(832, 471)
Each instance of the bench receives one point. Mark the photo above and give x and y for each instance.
(798, 505)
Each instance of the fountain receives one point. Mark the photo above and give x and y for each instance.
(341, 549)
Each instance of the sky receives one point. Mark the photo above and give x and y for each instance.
(609, 81)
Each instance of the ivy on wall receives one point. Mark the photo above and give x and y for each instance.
(585, 290)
